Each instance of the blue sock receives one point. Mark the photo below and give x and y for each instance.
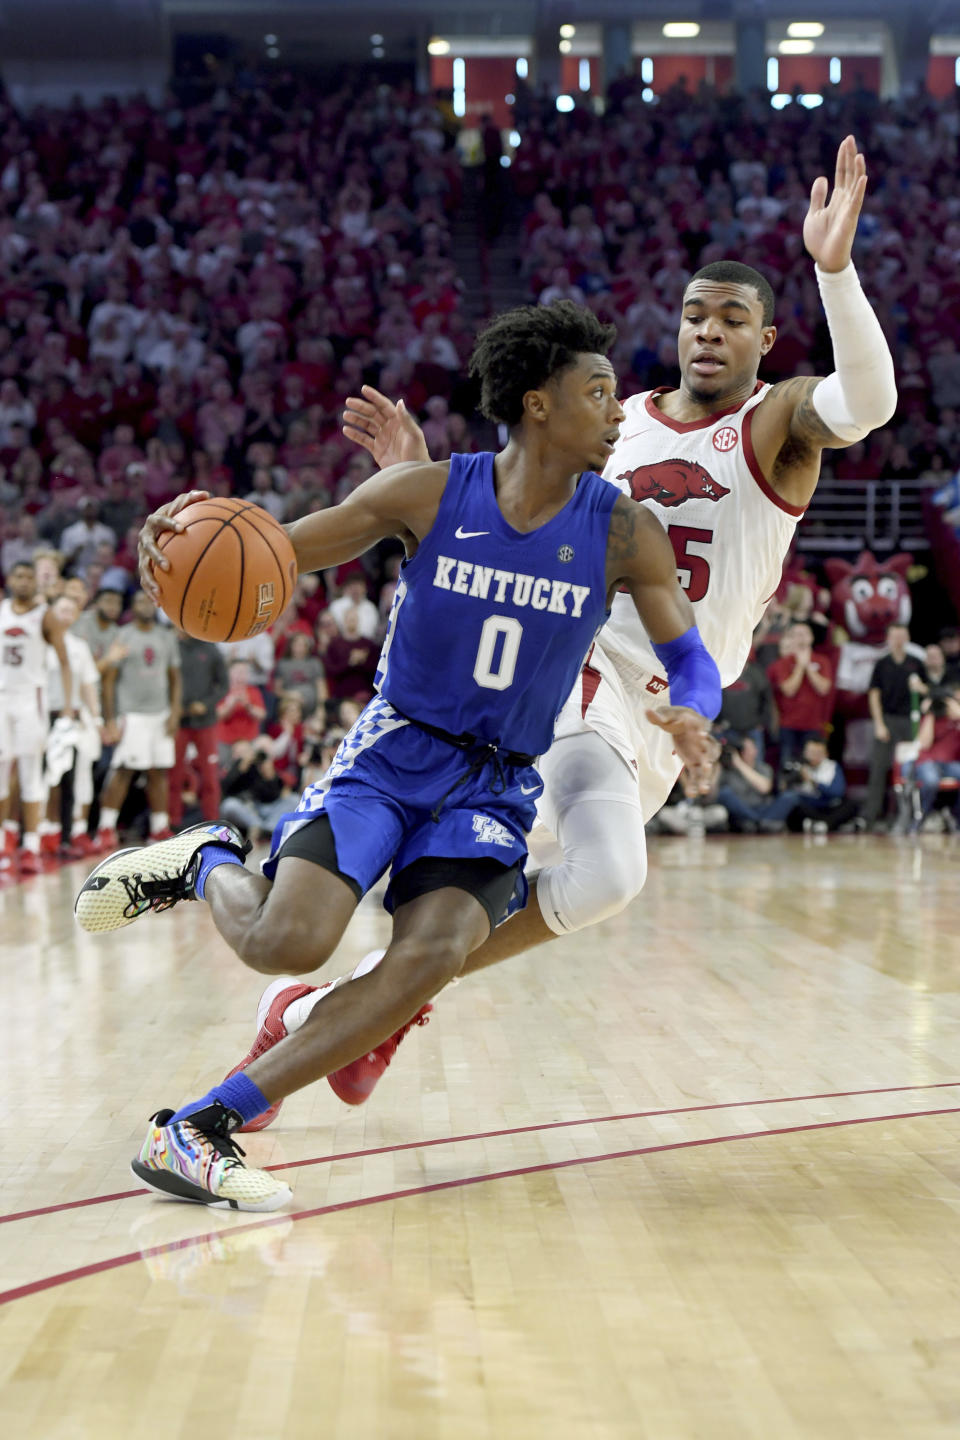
(238, 1093)
(210, 857)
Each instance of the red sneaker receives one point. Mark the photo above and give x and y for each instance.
(271, 1030)
(11, 839)
(81, 846)
(106, 840)
(166, 834)
(50, 842)
(356, 1082)
(30, 863)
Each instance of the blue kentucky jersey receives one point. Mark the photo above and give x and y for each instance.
(489, 626)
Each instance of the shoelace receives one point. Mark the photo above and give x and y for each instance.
(220, 1142)
(153, 892)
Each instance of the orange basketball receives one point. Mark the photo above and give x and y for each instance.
(232, 570)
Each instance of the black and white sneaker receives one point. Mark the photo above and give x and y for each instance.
(149, 877)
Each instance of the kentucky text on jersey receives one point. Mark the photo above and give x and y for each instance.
(505, 587)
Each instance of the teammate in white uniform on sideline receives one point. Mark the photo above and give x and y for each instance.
(27, 627)
(728, 464)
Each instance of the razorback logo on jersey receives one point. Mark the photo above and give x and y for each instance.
(673, 482)
(13, 631)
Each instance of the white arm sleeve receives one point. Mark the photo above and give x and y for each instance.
(861, 394)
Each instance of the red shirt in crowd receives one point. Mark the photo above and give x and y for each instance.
(240, 715)
(806, 710)
(945, 745)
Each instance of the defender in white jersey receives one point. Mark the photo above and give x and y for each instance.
(27, 628)
(728, 465)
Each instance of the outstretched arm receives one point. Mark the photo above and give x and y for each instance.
(400, 501)
(803, 416)
(640, 557)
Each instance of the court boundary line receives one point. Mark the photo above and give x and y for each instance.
(99, 1267)
(498, 1134)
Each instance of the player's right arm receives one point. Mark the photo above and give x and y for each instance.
(401, 501)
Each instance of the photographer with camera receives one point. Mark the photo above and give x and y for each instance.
(819, 788)
(746, 789)
(254, 795)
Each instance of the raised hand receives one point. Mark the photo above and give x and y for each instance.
(148, 553)
(692, 740)
(387, 431)
(831, 225)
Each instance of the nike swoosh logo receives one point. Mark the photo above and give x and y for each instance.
(528, 789)
(468, 534)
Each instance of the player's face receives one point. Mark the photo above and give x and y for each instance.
(22, 583)
(584, 413)
(722, 339)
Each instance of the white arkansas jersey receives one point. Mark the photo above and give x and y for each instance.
(23, 651)
(730, 531)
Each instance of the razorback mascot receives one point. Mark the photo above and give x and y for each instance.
(865, 598)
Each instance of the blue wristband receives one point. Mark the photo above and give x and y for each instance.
(691, 673)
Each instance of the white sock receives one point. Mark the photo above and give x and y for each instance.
(48, 827)
(159, 820)
(79, 828)
(108, 818)
(31, 842)
(297, 1012)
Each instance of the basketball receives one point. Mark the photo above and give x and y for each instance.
(232, 570)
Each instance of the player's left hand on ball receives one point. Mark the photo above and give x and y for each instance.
(692, 739)
(153, 527)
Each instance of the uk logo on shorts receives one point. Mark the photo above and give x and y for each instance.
(725, 438)
(491, 832)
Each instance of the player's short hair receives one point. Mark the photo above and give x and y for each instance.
(22, 565)
(523, 348)
(733, 272)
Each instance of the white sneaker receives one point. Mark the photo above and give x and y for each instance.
(148, 877)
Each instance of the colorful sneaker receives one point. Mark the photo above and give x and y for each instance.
(270, 1031)
(197, 1160)
(148, 877)
(356, 1082)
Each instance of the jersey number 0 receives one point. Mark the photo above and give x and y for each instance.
(496, 627)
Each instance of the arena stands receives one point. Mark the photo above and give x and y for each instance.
(189, 293)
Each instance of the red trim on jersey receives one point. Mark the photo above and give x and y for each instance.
(683, 427)
(753, 466)
(590, 684)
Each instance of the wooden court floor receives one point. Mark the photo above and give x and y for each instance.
(692, 1174)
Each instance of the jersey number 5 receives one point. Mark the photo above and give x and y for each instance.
(694, 569)
(13, 655)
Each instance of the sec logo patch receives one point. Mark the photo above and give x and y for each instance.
(725, 438)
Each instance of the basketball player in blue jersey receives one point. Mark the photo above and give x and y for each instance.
(511, 562)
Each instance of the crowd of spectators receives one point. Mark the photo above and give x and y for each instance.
(625, 206)
(188, 294)
(780, 764)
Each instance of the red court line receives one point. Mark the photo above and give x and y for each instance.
(98, 1267)
(497, 1134)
